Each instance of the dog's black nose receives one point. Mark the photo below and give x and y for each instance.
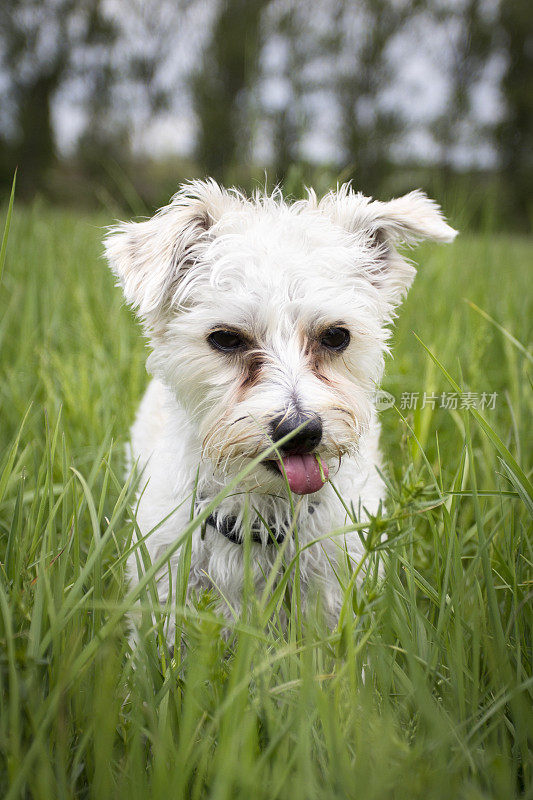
(306, 440)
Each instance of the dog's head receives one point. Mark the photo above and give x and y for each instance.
(265, 316)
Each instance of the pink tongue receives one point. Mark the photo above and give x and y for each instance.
(303, 473)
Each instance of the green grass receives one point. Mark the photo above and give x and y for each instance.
(423, 691)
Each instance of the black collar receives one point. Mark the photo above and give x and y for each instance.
(228, 527)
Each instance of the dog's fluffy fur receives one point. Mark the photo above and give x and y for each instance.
(280, 274)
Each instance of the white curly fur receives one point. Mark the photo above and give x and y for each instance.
(280, 272)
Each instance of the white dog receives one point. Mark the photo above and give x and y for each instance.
(264, 317)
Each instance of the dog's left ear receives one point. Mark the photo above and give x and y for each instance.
(152, 259)
(384, 226)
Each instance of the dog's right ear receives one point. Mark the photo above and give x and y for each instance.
(151, 259)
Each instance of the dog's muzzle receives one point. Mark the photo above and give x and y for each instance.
(298, 460)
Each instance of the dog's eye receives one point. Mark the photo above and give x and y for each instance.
(335, 339)
(226, 341)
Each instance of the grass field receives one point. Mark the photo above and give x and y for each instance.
(425, 688)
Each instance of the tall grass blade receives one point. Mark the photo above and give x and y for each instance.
(7, 225)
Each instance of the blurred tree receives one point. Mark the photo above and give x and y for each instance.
(472, 37)
(100, 52)
(223, 84)
(294, 42)
(365, 33)
(307, 47)
(40, 43)
(127, 88)
(514, 136)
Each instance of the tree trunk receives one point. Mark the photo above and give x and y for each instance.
(35, 150)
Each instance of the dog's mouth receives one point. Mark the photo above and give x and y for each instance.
(306, 473)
